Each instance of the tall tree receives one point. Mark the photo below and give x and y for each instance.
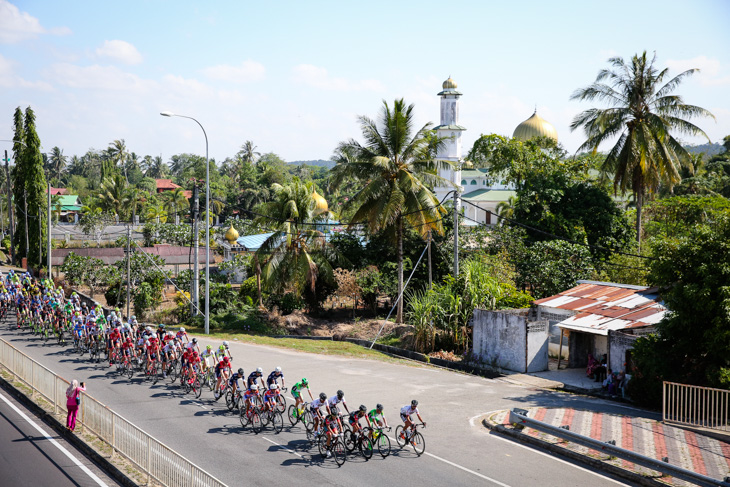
(57, 162)
(30, 187)
(175, 201)
(643, 112)
(118, 153)
(397, 167)
(156, 168)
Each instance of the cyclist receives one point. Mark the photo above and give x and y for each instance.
(315, 406)
(355, 416)
(193, 366)
(193, 345)
(151, 352)
(113, 342)
(223, 351)
(161, 332)
(236, 381)
(274, 377)
(270, 397)
(374, 414)
(222, 369)
(333, 401)
(254, 376)
(181, 335)
(405, 416)
(208, 358)
(332, 428)
(296, 391)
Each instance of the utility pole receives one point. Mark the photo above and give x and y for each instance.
(50, 228)
(129, 255)
(40, 244)
(430, 277)
(27, 239)
(196, 250)
(10, 211)
(457, 209)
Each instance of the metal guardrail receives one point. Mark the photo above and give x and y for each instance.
(699, 406)
(154, 458)
(519, 417)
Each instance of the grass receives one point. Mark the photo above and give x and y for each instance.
(321, 347)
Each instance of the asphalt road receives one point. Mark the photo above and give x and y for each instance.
(459, 450)
(32, 454)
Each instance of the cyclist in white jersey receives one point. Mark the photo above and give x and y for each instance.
(405, 415)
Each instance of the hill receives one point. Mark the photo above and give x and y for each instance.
(317, 163)
(709, 149)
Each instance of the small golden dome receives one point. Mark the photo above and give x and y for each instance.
(535, 126)
(320, 204)
(231, 235)
(449, 84)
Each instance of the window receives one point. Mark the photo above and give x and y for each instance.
(473, 181)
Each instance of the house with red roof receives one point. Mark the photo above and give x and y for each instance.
(163, 185)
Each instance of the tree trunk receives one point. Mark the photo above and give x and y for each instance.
(258, 281)
(399, 230)
(639, 204)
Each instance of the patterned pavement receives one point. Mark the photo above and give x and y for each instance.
(687, 449)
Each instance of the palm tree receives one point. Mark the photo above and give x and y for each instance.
(248, 153)
(506, 209)
(397, 167)
(155, 212)
(642, 112)
(118, 153)
(111, 196)
(134, 199)
(156, 168)
(296, 256)
(175, 201)
(57, 162)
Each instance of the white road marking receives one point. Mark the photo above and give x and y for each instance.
(201, 405)
(282, 446)
(459, 466)
(55, 443)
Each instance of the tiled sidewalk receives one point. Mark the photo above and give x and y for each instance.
(686, 449)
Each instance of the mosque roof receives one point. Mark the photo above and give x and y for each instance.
(535, 126)
(489, 195)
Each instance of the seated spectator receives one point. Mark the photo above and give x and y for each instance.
(592, 364)
(622, 381)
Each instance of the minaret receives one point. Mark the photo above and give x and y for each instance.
(451, 131)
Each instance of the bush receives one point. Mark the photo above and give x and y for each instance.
(116, 295)
(286, 303)
(5, 242)
(248, 290)
(146, 298)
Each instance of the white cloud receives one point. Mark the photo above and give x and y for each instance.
(121, 51)
(246, 71)
(97, 78)
(16, 26)
(710, 69)
(11, 80)
(319, 78)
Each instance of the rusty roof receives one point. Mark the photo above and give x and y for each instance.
(171, 254)
(603, 306)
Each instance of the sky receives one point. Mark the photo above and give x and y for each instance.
(294, 76)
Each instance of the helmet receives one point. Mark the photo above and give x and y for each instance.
(322, 396)
(225, 343)
(195, 354)
(414, 403)
(208, 348)
(158, 326)
(195, 340)
(379, 407)
(278, 370)
(253, 387)
(133, 318)
(170, 334)
(340, 394)
(222, 348)
(240, 371)
(225, 360)
(273, 387)
(259, 370)
(305, 382)
(182, 329)
(363, 408)
(149, 328)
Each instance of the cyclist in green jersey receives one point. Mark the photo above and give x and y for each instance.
(375, 414)
(296, 392)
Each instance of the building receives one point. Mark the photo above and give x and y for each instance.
(70, 206)
(163, 185)
(481, 194)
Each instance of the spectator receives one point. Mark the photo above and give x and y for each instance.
(600, 371)
(73, 400)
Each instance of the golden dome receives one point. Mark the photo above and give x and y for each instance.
(231, 235)
(449, 84)
(320, 204)
(535, 126)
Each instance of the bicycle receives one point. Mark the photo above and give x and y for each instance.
(360, 440)
(337, 447)
(414, 437)
(380, 440)
(250, 416)
(196, 385)
(274, 418)
(300, 414)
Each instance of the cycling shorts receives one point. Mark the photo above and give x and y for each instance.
(295, 394)
(405, 417)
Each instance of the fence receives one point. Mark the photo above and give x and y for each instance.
(156, 460)
(703, 407)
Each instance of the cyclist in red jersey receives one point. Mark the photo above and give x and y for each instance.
(115, 337)
(222, 370)
(193, 366)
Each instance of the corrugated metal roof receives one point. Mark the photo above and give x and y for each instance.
(603, 306)
(253, 242)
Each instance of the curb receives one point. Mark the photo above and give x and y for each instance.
(594, 463)
(60, 429)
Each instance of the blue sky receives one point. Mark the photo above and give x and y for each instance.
(293, 76)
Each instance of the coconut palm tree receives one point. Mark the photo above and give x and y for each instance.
(248, 153)
(175, 201)
(57, 162)
(506, 209)
(134, 199)
(643, 113)
(111, 196)
(296, 256)
(156, 168)
(397, 167)
(118, 153)
(155, 212)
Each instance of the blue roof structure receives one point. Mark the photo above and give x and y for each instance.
(253, 242)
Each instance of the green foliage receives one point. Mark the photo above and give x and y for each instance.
(548, 267)
(287, 302)
(182, 234)
(146, 297)
(671, 217)
(371, 284)
(238, 263)
(248, 291)
(88, 271)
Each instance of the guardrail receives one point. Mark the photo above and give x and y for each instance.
(699, 406)
(519, 417)
(154, 458)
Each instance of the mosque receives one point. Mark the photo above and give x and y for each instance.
(473, 184)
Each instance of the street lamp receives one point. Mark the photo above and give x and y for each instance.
(207, 220)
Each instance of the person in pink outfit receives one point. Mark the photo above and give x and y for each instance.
(73, 400)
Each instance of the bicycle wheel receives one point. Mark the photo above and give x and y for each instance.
(419, 443)
(366, 447)
(383, 443)
(210, 379)
(229, 399)
(350, 439)
(291, 413)
(172, 372)
(243, 417)
(130, 370)
(322, 445)
(400, 436)
(198, 386)
(256, 422)
(281, 403)
(338, 451)
(308, 420)
(277, 421)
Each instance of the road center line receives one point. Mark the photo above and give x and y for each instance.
(55, 443)
(282, 446)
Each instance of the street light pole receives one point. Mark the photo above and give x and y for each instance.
(207, 219)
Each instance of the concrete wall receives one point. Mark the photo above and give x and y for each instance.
(537, 346)
(619, 344)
